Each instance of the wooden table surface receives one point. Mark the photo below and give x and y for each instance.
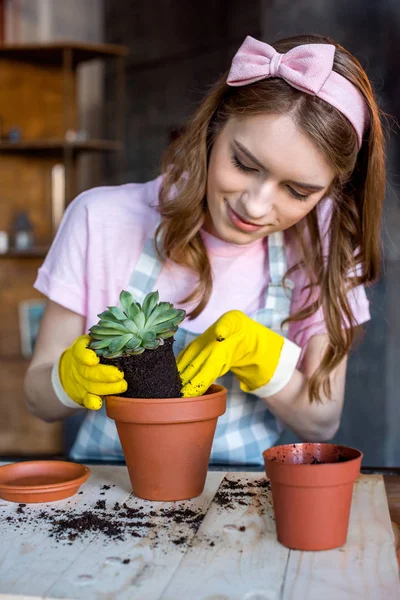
(220, 546)
(392, 486)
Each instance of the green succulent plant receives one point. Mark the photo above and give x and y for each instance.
(134, 328)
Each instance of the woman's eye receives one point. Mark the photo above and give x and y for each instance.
(301, 197)
(240, 165)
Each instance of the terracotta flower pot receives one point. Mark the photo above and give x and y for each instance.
(167, 442)
(312, 486)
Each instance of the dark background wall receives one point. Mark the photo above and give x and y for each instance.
(178, 49)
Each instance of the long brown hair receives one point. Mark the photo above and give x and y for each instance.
(357, 193)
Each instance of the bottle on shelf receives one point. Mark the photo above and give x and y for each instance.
(3, 242)
(22, 231)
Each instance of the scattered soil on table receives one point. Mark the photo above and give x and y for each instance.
(20, 509)
(244, 493)
(118, 522)
(233, 493)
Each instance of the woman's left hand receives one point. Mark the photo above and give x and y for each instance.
(262, 360)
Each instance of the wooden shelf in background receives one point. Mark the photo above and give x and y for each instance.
(58, 146)
(53, 53)
(35, 252)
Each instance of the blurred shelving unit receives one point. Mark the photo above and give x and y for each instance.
(38, 174)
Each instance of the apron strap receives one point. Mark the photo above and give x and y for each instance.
(278, 296)
(146, 272)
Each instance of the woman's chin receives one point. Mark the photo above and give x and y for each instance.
(231, 235)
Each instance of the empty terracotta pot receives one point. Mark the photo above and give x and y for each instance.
(167, 441)
(312, 487)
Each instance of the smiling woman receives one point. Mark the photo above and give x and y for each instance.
(254, 168)
(264, 226)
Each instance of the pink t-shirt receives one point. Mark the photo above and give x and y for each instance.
(103, 233)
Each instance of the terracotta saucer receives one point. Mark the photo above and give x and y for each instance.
(41, 480)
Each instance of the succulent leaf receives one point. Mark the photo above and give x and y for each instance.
(152, 345)
(159, 315)
(99, 344)
(107, 315)
(117, 313)
(101, 331)
(139, 320)
(136, 352)
(134, 343)
(119, 342)
(112, 325)
(126, 300)
(130, 326)
(168, 333)
(134, 309)
(150, 302)
(136, 328)
(149, 336)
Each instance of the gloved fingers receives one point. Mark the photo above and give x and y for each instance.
(101, 373)
(82, 353)
(92, 402)
(75, 398)
(100, 388)
(200, 382)
(196, 364)
(229, 323)
(106, 389)
(196, 382)
(188, 354)
(197, 388)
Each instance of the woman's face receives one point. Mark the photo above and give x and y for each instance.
(264, 175)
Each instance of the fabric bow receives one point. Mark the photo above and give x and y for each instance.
(305, 67)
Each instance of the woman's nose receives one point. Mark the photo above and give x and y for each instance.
(259, 203)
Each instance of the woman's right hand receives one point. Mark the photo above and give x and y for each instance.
(84, 379)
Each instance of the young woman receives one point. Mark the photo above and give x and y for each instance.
(264, 226)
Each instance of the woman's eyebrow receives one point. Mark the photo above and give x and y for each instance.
(308, 186)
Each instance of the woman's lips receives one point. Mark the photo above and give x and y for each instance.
(240, 223)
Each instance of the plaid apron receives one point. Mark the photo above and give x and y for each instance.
(247, 428)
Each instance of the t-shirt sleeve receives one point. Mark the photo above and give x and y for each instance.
(62, 277)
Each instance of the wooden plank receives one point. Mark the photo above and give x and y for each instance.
(365, 567)
(19, 597)
(152, 560)
(31, 561)
(392, 486)
(32, 99)
(234, 554)
(227, 563)
(11, 597)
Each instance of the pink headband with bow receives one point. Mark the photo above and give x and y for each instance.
(307, 68)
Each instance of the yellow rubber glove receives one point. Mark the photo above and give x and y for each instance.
(262, 360)
(84, 379)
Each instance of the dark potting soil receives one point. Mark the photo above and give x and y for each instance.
(235, 491)
(340, 459)
(118, 522)
(152, 374)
